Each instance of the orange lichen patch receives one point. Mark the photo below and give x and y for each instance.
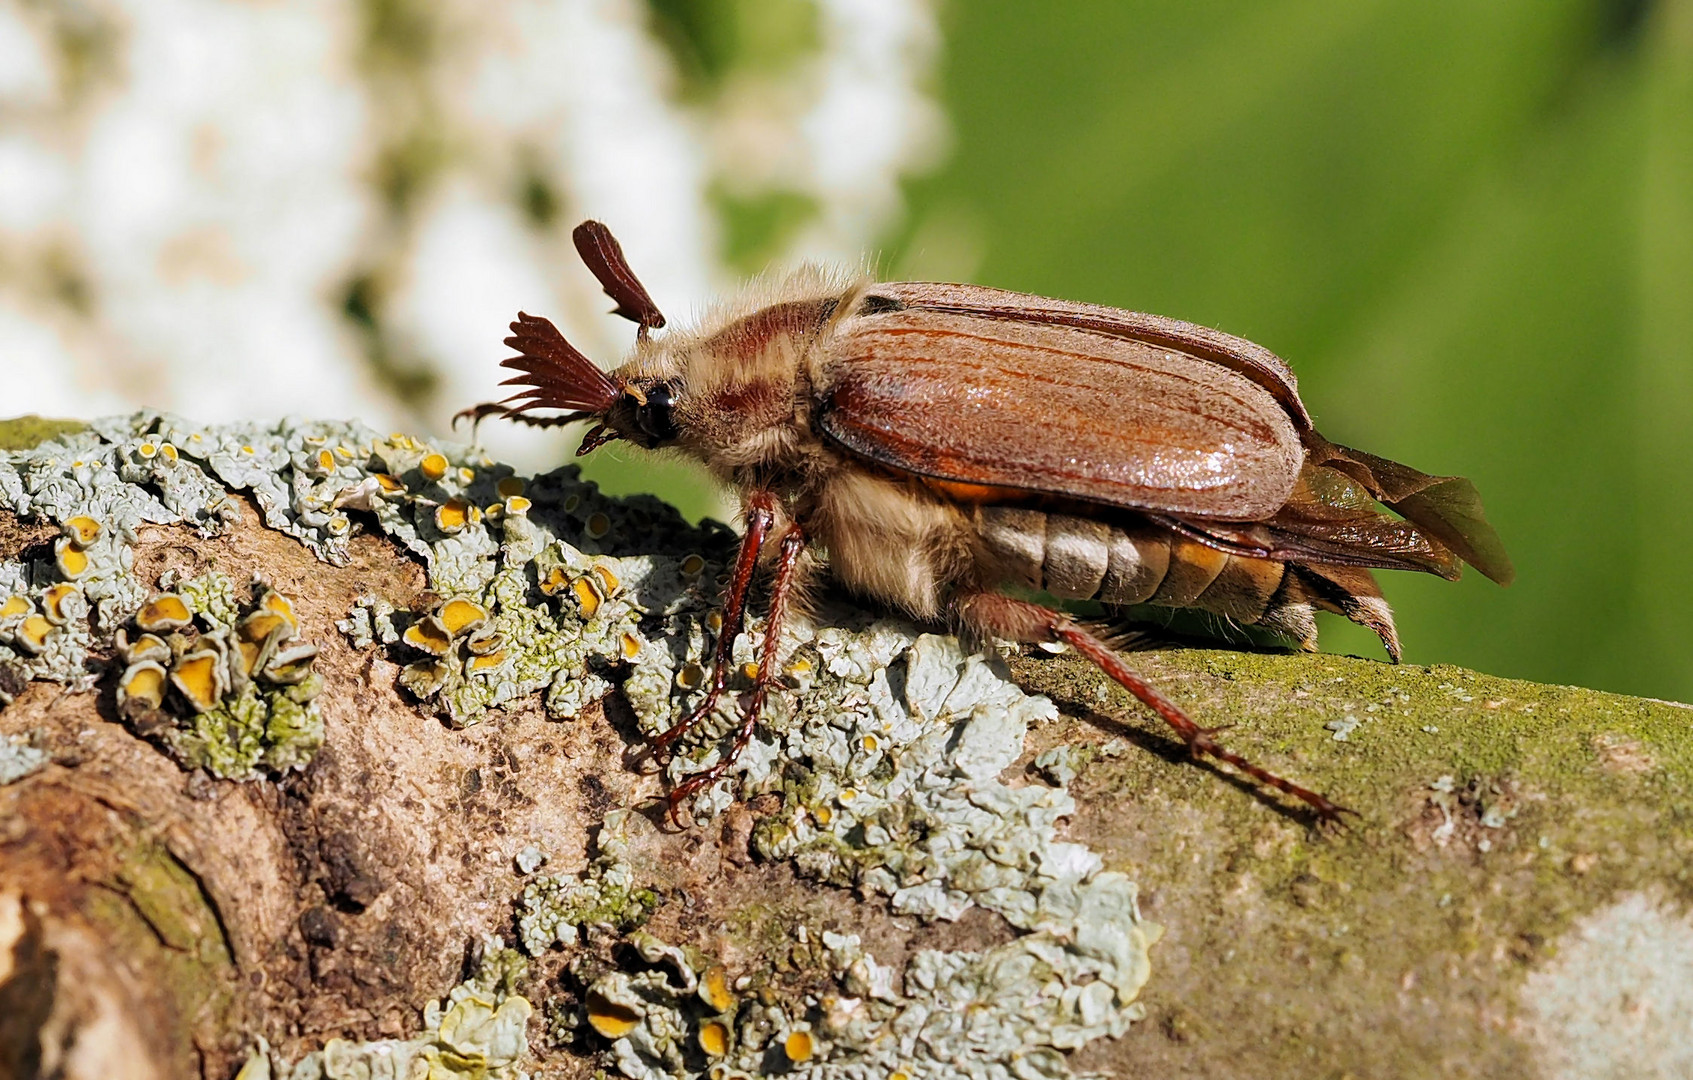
(428, 635)
(714, 989)
(147, 647)
(749, 670)
(53, 600)
(453, 515)
(168, 451)
(555, 582)
(485, 642)
(200, 678)
(277, 604)
(631, 646)
(494, 511)
(467, 475)
(822, 815)
(325, 460)
(489, 662)
(165, 612)
(509, 486)
(143, 684)
(389, 483)
(71, 560)
(260, 625)
(17, 604)
(517, 505)
(870, 742)
(461, 616)
(597, 525)
(799, 1046)
(609, 584)
(799, 666)
(611, 1019)
(587, 595)
(31, 637)
(433, 466)
(714, 622)
(714, 1038)
(292, 666)
(148, 450)
(693, 566)
(690, 677)
(82, 530)
(251, 654)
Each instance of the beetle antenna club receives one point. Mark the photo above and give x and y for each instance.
(943, 443)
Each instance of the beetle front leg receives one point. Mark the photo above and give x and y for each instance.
(769, 668)
(761, 516)
(1019, 620)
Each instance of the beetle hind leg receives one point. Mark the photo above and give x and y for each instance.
(1019, 620)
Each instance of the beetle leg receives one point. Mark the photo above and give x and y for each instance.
(1019, 620)
(769, 669)
(761, 515)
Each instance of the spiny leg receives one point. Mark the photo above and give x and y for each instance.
(793, 544)
(1019, 620)
(761, 515)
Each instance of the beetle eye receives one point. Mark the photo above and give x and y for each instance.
(657, 418)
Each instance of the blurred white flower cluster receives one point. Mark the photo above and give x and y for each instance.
(333, 207)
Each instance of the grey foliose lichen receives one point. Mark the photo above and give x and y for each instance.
(606, 896)
(478, 1032)
(884, 760)
(888, 766)
(19, 758)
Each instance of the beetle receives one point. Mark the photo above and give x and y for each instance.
(946, 446)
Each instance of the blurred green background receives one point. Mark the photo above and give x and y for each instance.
(1468, 226)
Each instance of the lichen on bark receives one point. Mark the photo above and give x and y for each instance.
(928, 863)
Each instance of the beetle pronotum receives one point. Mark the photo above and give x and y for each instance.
(941, 443)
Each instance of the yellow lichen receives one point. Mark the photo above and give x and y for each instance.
(164, 612)
(17, 604)
(509, 486)
(52, 602)
(587, 595)
(32, 635)
(277, 604)
(714, 989)
(143, 683)
(461, 616)
(489, 662)
(200, 677)
(428, 635)
(609, 584)
(714, 1038)
(433, 466)
(610, 1018)
(631, 646)
(453, 515)
(799, 1046)
(71, 560)
(82, 530)
(693, 566)
(555, 582)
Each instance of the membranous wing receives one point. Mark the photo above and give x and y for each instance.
(1060, 410)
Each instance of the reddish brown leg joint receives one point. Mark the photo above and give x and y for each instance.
(769, 669)
(761, 515)
(1020, 620)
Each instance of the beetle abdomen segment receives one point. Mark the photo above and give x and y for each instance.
(1076, 558)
